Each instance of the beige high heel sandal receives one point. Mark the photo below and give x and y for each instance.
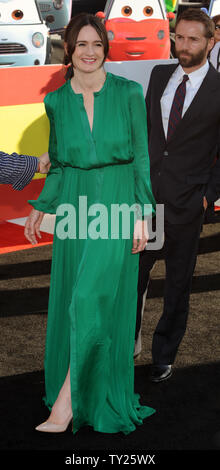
(47, 426)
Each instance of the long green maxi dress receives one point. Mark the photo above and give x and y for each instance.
(93, 290)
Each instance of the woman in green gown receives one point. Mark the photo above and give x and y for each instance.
(99, 156)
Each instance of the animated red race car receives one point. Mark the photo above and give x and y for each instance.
(138, 29)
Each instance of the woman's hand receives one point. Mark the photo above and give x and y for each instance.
(140, 237)
(32, 226)
(205, 203)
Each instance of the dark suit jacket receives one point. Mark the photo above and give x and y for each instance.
(183, 169)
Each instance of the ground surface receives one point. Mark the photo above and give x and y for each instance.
(187, 405)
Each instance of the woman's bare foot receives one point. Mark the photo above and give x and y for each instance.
(62, 408)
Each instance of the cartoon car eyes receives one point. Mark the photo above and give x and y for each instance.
(148, 11)
(127, 11)
(17, 14)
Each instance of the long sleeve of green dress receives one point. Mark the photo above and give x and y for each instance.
(49, 197)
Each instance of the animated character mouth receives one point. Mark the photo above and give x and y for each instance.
(137, 39)
(135, 53)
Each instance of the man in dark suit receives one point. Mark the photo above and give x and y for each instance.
(18, 170)
(184, 137)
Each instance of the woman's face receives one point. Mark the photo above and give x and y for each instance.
(217, 31)
(89, 51)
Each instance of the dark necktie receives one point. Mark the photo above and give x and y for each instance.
(177, 107)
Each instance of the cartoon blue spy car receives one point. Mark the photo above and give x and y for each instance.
(24, 37)
(56, 13)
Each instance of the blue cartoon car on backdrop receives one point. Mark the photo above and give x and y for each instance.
(56, 13)
(24, 36)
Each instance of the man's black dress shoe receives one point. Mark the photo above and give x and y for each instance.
(160, 372)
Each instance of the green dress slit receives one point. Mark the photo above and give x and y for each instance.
(93, 290)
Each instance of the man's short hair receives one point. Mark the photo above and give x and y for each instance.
(195, 14)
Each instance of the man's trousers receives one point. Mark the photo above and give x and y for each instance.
(180, 252)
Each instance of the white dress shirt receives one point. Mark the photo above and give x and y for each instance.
(192, 85)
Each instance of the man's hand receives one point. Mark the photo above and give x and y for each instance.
(205, 203)
(140, 237)
(44, 163)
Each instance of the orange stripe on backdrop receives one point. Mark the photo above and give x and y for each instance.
(25, 85)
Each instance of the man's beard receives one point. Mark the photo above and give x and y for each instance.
(190, 60)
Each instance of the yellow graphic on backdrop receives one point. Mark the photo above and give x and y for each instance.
(24, 129)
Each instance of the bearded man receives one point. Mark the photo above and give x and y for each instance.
(183, 109)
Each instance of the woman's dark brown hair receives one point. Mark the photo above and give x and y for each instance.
(71, 34)
(216, 19)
